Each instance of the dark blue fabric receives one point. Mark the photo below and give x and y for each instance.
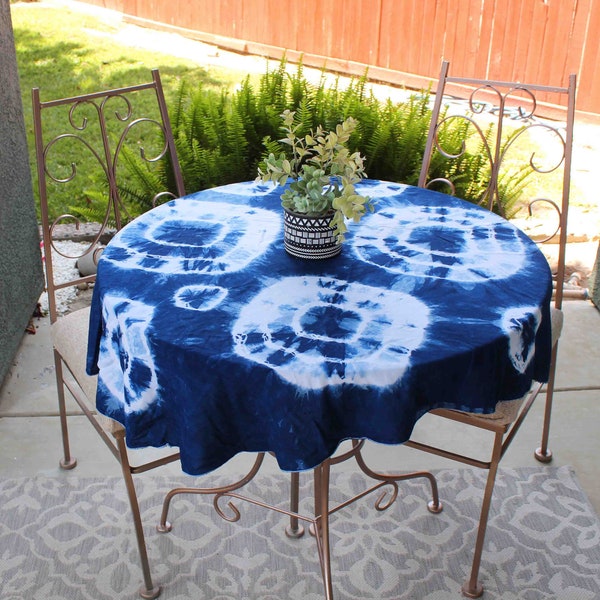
(208, 336)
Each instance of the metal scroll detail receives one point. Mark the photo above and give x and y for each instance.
(506, 164)
(102, 133)
(319, 522)
(230, 491)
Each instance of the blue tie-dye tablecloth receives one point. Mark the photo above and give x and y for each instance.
(207, 336)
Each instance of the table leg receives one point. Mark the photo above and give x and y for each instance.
(321, 477)
(294, 529)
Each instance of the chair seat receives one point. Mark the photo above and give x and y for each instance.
(69, 337)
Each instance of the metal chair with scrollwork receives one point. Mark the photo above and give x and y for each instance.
(95, 145)
(493, 124)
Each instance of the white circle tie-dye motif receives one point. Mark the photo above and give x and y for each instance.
(205, 238)
(441, 242)
(126, 362)
(520, 325)
(367, 340)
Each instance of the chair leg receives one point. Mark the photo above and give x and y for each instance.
(147, 590)
(472, 588)
(67, 462)
(543, 453)
(321, 476)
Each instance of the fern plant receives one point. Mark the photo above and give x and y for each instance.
(220, 135)
(464, 162)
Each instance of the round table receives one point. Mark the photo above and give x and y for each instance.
(207, 336)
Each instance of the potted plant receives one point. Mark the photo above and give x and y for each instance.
(321, 194)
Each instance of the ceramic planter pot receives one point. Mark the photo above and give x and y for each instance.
(309, 237)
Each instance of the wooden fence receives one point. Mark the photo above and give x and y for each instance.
(401, 41)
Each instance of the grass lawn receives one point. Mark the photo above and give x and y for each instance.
(61, 52)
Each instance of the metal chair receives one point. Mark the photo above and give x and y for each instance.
(108, 128)
(500, 104)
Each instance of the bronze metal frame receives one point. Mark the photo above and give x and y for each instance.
(504, 97)
(319, 521)
(107, 153)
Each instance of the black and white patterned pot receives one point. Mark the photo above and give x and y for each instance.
(309, 237)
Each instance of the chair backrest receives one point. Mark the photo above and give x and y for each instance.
(498, 125)
(107, 156)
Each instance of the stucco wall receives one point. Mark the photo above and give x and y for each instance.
(21, 276)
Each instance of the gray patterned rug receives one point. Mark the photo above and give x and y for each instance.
(68, 538)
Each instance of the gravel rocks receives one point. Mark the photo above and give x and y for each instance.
(64, 268)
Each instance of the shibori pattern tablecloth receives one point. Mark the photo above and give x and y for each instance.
(208, 336)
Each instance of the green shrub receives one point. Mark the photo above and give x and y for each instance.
(222, 137)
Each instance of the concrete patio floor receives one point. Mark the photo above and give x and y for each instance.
(30, 433)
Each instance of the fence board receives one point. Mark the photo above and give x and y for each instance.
(501, 52)
(462, 33)
(394, 38)
(318, 37)
(553, 37)
(411, 49)
(524, 42)
(451, 43)
(589, 64)
(439, 34)
(485, 35)
(593, 61)
(433, 55)
(576, 49)
(473, 37)
(539, 41)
